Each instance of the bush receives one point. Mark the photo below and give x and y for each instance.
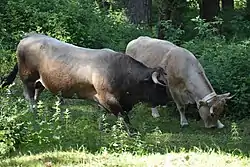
(80, 22)
(226, 65)
(12, 120)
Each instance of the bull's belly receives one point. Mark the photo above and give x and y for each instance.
(77, 92)
(68, 87)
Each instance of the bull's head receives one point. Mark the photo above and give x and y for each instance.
(211, 107)
(159, 73)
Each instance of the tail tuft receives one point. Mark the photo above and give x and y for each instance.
(5, 81)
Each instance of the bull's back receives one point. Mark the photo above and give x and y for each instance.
(148, 50)
(177, 62)
(54, 62)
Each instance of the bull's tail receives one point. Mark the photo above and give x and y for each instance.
(7, 80)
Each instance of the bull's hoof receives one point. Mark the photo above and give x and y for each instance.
(62, 102)
(220, 125)
(132, 132)
(155, 115)
(184, 125)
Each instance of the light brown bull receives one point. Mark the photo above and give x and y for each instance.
(186, 78)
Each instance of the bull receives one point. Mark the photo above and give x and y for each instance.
(116, 81)
(186, 78)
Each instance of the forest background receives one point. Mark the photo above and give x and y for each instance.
(216, 31)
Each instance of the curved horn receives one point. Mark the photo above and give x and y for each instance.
(211, 110)
(154, 78)
(230, 97)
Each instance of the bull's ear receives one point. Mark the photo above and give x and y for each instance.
(202, 103)
(147, 79)
(160, 70)
(230, 97)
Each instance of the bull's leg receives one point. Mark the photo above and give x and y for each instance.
(38, 91)
(61, 100)
(155, 112)
(183, 119)
(29, 94)
(109, 102)
(180, 107)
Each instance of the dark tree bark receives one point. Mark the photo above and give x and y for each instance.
(227, 5)
(104, 4)
(227, 10)
(209, 9)
(164, 14)
(170, 10)
(139, 11)
(248, 10)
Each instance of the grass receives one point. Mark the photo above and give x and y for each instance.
(77, 159)
(75, 139)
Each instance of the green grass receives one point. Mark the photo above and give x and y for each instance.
(77, 159)
(74, 139)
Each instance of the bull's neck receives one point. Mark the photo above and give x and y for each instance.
(199, 94)
(202, 89)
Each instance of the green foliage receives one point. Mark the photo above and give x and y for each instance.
(80, 22)
(8, 59)
(11, 121)
(225, 64)
(172, 33)
(206, 29)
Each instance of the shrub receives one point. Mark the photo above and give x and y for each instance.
(79, 22)
(226, 67)
(12, 120)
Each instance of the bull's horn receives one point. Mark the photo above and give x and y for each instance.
(211, 110)
(230, 97)
(154, 78)
(226, 96)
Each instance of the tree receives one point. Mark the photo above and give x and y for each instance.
(209, 9)
(248, 10)
(139, 11)
(170, 10)
(227, 5)
(227, 10)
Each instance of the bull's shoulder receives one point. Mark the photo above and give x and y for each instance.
(108, 50)
(152, 41)
(183, 52)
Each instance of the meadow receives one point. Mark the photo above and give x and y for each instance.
(69, 135)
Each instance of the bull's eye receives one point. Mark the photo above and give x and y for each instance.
(212, 114)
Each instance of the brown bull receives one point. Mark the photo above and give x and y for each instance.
(103, 75)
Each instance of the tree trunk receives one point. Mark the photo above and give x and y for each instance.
(209, 9)
(227, 10)
(227, 5)
(139, 11)
(248, 10)
(170, 10)
(164, 15)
